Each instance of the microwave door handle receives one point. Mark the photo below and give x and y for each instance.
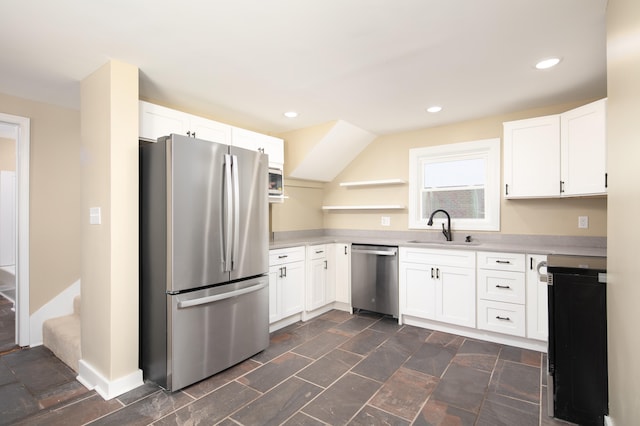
(236, 211)
(228, 190)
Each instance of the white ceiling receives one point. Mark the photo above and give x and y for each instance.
(377, 64)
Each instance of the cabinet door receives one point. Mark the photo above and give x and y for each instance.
(417, 290)
(317, 283)
(584, 149)
(156, 121)
(270, 145)
(210, 130)
(274, 291)
(292, 289)
(340, 272)
(456, 295)
(537, 315)
(532, 157)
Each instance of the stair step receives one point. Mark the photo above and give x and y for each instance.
(62, 336)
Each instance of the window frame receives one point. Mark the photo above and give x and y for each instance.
(489, 149)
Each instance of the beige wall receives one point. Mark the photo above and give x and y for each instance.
(388, 157)
(302, 210)
(7, 154)
(55, 197)
(109, 173)
(623, 288)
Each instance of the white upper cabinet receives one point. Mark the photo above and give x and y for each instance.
(584, 150)
(560, 155)
(532, 157)
(157, 121)
(269, 145)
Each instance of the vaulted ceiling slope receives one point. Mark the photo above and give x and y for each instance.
(377, 64)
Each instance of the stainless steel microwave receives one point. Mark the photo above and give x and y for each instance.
(276, 185)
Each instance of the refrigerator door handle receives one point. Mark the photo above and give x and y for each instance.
(236, 211)
(228, 195)
(223, 296)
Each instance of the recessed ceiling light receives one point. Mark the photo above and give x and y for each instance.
(434, 108)
(291, 114)
(547, 63)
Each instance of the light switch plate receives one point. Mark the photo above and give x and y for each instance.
(583, 222)
(95, 216)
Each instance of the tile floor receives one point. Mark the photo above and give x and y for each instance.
(336, 369)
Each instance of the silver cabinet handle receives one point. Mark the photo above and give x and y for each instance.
(505, 262)
(219, 297)
(502, 286)
(377, 252)
(503, 318)
(283, 256)
(325, 264)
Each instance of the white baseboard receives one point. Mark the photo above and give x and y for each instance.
(608, 421)
(107, 389)
(59, 306)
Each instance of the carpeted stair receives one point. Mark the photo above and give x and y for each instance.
(62, 336)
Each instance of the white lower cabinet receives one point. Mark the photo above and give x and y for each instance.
(339, 273)
(537, 315)
(286, 282)
(438, 285)
(318, 293)
(501, 293)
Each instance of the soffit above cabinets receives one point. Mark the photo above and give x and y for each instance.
(331, 151)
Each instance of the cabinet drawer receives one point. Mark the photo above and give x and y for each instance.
(286, 255)
(460, 258)
(317, 252)
(501, 286)
(501, 261)
(507, 318)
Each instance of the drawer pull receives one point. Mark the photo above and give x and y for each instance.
(319, 251)
(283, 256)
(505, 262)
(503, 318)
(502, 286)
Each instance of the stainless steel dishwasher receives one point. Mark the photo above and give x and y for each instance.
(374, 278)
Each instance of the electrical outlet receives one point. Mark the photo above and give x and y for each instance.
(583, 222)
(385, 221)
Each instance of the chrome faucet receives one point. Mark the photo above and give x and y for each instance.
(446, 232)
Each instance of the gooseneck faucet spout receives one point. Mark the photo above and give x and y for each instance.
(446, 232)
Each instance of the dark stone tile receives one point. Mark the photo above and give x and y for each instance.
(516, 380)
(463, 387)
(138, 393)
(320, 345)
(498, 410)
(16, 403)
(147, 410)
(354, 325)
(404, 393)
(545, 420)
(38, 369)
(78, 413)
(368, 314)
(420, 334)
(523, 356)
(329, 368)
(6, 375)
(436, 413)
(313, 328)
(364, 342)
(203, 387)
(381, 363)
(445, 339)
(405, 343)
(478, 361)
(431, 359)
(338, 403)
(386, 325)
(277, 405)
(336, 316)
(280, 342)
(213, 407)
(301, 419)
(371, 416)
(274, 372)
(478, 347)
(63, 394)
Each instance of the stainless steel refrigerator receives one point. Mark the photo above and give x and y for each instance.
(204, 303)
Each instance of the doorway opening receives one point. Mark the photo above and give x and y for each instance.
(14, 231)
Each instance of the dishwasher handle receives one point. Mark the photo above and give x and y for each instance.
(376, 252)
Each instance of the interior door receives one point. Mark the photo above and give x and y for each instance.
(251, 246)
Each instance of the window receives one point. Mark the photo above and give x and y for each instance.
(462, 178)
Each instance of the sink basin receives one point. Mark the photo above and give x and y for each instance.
(445, 243)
